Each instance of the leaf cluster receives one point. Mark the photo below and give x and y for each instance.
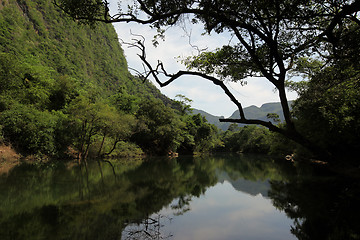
(229, 63)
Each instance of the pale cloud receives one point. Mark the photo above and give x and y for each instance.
(205, 95)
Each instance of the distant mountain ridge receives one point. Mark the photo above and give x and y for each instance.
(251, 112)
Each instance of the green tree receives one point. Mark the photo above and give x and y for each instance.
(270, 37)
(85, 122)
(184, 104)
(159, 128)
(65, 89)
(253, 139)
(332, 120)
(98, 122)
(30, 130)
(125, 102)
(327, 109)
(199, 136)
(117, 127)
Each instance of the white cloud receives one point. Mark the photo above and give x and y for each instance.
(205, 95)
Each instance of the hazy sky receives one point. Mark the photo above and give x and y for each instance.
(205, 95)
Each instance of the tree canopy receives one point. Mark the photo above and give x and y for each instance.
(270, 39)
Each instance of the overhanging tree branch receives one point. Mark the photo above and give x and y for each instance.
(273, 33)
(160, 69)
(289, 132)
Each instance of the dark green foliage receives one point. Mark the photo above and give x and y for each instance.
(199, 135)
(252, 139)
(328, 109)
(32, 131)
(67, 85)
(64, 91)
(90, 8)
(334, 117)
(227, 62)
(159, 128)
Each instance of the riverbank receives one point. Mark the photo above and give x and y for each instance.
(9, 158)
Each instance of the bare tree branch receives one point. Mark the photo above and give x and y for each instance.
(289, 132)
(160, 69)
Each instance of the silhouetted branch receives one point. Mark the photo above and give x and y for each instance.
(160, 69)
(148, 228)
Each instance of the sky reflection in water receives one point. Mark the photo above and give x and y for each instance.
(226, 213)
(216, 197)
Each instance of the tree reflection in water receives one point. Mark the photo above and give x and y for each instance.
(148, 228)
(93, 204)
(322, 205)
(86, 203)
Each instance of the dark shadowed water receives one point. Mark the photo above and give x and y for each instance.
(217, 197)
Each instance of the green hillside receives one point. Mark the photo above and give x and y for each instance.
(39, 41)
(212, 119)
(65, 87)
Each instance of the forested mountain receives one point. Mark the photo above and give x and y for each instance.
(66, 87)
(251, 112)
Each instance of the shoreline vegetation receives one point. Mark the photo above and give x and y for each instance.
(66, 91)
(9, 158)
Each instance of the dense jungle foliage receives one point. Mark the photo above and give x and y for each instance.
(278, 41)
(65, 88)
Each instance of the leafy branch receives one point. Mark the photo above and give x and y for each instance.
(159, 69)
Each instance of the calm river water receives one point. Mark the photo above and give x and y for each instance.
(216, 197)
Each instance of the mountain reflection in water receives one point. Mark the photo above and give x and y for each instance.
(217, 197)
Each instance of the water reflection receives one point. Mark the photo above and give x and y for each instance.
(148, 228)
(183, 198)
(250, 173)
(322, 206)
(224, 212)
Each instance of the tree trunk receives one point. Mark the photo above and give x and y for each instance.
(101, 145)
